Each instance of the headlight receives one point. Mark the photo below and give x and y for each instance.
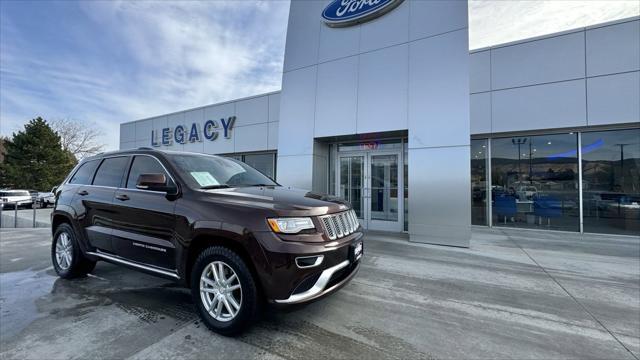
(290, 225)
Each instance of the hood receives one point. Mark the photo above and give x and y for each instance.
(285, 201)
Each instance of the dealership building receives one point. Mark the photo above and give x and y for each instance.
(383, 104)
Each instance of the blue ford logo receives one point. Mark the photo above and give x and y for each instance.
(350, 12)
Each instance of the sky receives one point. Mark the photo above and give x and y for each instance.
(108, 62)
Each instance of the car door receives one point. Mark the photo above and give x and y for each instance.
(78, 193)
(96, 201)
(144, 219)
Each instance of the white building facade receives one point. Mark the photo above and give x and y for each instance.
(392, 112)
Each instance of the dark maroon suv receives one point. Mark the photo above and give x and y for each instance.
(218, 226)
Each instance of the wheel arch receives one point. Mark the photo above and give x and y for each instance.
(59, 218)
(202, 241)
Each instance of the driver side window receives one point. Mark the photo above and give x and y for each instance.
(145, 165)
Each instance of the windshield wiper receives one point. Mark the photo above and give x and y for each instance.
(261, 185)
(219, 186)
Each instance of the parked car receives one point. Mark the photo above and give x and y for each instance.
(214, 224)
(46, 198)
(12, 198)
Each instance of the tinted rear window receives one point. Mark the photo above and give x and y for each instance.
(110, 171)
(84, 173)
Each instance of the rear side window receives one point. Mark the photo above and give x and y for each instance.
(144, 165)
(84, 173)
(110, 171)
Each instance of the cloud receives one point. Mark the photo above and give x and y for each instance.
(494, 22)
(151, 58)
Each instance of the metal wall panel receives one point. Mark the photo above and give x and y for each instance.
(251, 137)
(480, 110)
(546, 106)
(143, 130)
(390, 29)
(337, 88)
(272, 141)
(382, 90)
(429, 18)
(297, 109)
(303, 35)
(253, 111)
(439, 195)
(614, 99)
(539, 61)
(439, 91)
(295, 171)
(127, 145)
(614, 48)
(480, 71)
(274, 107)
(337, 43)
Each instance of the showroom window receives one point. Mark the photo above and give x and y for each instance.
(263, 162)
(611, 181)
(535, 182)
(479, 182)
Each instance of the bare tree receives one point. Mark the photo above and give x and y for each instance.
(80, 139)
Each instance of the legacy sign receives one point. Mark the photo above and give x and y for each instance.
(341, 13)
(182, 134)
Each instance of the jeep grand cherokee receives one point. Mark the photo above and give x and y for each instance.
(216, 225)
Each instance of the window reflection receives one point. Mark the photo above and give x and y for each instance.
(263, 162)
(534, 182)
(611, 181)
(479, 182)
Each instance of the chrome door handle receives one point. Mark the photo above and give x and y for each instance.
(83, 193)
(122, 197)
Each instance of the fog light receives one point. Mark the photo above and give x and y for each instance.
(305, 262)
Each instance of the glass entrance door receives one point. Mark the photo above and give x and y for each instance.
(372, 183)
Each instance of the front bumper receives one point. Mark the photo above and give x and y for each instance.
(285, 282)
(324, 285)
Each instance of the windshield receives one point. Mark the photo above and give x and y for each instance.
(207, 171)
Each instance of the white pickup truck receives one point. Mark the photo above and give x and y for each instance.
(19, 198)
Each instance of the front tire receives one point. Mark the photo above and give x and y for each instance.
(68, 260)
(224, 291)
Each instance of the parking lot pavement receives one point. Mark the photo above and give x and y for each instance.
(513, 294)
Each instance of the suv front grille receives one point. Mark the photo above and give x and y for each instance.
(340, 225)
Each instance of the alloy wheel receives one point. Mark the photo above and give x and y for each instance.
(64, 251)
(220, 291)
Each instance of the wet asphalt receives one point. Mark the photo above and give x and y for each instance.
(513, 294)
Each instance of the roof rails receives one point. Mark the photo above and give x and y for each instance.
(145, 148)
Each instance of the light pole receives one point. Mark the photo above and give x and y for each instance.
(519, 142)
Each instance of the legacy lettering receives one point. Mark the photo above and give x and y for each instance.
(182, 134)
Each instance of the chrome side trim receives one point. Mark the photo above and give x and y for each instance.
(317, 288)
(119, 260)
(318, 261)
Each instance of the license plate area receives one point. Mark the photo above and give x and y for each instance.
(356, 250)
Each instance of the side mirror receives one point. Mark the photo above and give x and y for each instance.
(152, 182)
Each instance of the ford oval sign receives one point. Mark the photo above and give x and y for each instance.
(341, 13)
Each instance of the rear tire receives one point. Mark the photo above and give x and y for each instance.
(240, 307)
(68, 260)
